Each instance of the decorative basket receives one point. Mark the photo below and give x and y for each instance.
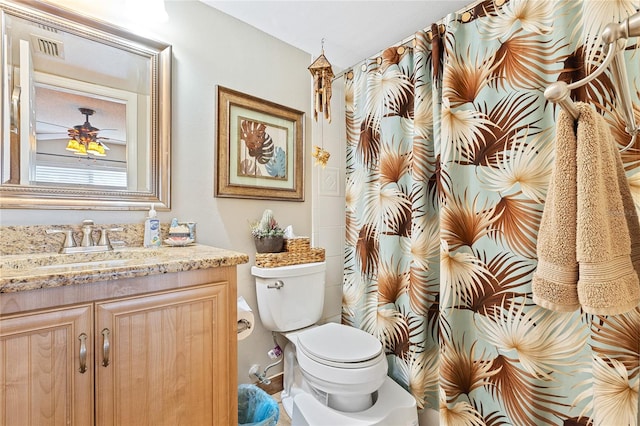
(273, 260)
(297, 244)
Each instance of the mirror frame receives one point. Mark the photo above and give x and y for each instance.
(51, 197)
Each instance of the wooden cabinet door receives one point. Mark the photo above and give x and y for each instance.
(168, 359)
(40, 362)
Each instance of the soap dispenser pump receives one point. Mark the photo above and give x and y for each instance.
(152, 229)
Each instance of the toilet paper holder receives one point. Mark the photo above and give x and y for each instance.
(243, 325)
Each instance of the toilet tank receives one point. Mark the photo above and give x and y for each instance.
(290, 297)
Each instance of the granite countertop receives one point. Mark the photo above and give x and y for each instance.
(46, 270)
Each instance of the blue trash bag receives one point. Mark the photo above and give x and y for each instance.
(256, 407)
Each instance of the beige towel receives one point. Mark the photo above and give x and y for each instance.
(585, 253)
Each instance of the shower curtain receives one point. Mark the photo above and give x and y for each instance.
(449, 152)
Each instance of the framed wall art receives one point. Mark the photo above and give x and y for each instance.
(259, 149)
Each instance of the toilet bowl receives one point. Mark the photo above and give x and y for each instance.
(344, 365)
(333, 374)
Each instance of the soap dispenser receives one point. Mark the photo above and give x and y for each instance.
(152, 229)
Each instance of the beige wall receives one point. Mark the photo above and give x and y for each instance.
(328, 199)
(211, 48)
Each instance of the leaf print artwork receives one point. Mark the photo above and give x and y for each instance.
(257, 140)
(277, 166)
(262, 149)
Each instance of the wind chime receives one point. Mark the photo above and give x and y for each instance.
(322, 74)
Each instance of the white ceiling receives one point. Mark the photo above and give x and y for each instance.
(352, 30)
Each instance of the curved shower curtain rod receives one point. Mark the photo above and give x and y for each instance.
(615, 35)
(466, 14)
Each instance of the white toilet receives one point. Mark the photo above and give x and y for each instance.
(333, 374)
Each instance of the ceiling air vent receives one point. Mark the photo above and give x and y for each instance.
(47, 28)
(48, 47)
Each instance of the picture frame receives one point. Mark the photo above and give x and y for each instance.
(260, 147)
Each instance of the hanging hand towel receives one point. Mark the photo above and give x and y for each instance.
(555, 280)
(585, 253)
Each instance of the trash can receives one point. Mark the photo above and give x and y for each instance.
(256, 407)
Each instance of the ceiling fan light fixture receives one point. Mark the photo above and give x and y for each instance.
(82, 150)
(96, 148)
(73, 145)
(83, 137)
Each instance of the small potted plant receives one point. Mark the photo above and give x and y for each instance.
(267, 234)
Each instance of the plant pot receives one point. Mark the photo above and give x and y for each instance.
(269, 244)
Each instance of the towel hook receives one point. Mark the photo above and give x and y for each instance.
(634, 136)
(615, 36)
(559, 92)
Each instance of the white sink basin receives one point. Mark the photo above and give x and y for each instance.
(96, 264)
(37, 263)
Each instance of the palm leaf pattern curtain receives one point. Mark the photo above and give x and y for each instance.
(449, 152)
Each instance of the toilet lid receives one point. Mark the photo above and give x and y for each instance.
(340, 345)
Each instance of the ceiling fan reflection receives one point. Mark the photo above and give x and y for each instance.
(83, 138)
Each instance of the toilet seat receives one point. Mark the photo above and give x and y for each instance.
(339, 359)
(340, 346)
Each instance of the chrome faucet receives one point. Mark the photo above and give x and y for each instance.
(87, 230)
(87, 244)
(68, 242)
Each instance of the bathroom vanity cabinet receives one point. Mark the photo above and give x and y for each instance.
(39, 362)
(169, 356)
(150, 350)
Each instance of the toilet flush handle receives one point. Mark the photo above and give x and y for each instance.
(277, 285)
